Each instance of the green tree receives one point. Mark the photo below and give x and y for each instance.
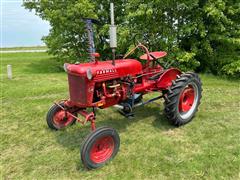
(201, 35)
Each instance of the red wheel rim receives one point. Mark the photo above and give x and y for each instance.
(186, 99)
(62, 119)
(102, 149)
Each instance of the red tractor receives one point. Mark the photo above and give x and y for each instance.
(121, 83)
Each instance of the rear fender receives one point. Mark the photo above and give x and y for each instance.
(165, 80)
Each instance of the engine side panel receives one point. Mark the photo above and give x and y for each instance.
(83, 91)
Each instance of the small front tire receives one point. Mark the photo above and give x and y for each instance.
(99, 147)
(57, 118)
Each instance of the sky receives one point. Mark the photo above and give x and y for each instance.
(20, 27)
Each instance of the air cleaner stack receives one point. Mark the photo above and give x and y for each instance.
(113, 33)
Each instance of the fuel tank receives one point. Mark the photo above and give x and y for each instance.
(104, 70)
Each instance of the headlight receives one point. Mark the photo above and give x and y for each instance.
(65, 67)
(89, 74)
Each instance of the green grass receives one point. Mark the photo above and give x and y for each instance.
(206, 148)
(23, 48)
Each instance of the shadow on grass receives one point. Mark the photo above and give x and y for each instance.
(45, 65)
(72, 138)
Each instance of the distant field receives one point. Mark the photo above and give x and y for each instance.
(206, 148)
(24, 48)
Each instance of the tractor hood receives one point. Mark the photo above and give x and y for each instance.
(104, 70)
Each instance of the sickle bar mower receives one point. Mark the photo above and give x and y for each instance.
(121, 83)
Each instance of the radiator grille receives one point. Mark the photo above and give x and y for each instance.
(77, 89)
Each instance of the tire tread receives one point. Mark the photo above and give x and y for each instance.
(172, 95)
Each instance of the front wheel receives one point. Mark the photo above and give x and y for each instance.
(99, 147)
(183, 98)
(58, 119)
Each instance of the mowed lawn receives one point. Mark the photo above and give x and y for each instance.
(206, 148)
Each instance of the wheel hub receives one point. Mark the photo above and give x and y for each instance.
(186, 99)
(102, 149)
(62, 119)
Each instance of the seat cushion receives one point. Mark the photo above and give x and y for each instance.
(157, 55)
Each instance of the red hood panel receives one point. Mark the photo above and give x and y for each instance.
(104, 70)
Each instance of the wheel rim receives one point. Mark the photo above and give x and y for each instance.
(188, 101)
(102, 149)
(62, 119)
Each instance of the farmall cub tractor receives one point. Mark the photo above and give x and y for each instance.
(121, 83)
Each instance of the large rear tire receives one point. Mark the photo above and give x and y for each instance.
(99, 147)
(183, 98)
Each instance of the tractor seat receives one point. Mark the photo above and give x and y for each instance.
(156, 55)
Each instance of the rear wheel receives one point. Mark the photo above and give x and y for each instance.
(99, 147)
(57, 118)
(183, 98)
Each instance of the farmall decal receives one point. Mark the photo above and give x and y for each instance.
(105, 71)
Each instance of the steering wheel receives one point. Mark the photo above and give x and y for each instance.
(140, 46)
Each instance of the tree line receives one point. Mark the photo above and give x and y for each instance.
(200, 35)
